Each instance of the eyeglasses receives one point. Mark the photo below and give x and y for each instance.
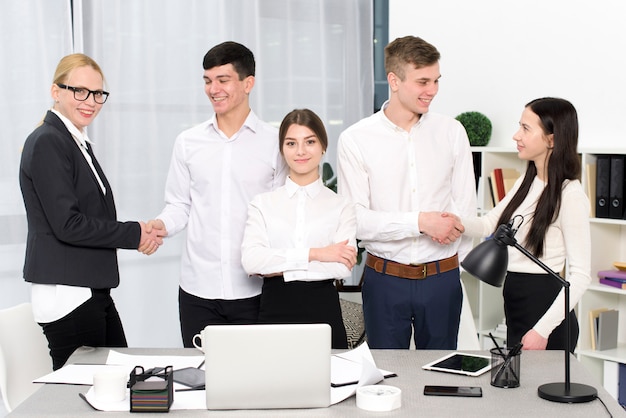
(81, 94)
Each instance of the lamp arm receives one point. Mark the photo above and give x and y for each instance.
(565, 285)
(547, 269)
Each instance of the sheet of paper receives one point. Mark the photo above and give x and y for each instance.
(357, 366)
(193, 399)
(147, 362)
(79, 374)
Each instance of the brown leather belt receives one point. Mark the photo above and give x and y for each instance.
(406, 271)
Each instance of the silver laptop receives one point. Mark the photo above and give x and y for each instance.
(267, 366)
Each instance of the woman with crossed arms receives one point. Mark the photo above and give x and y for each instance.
(301, 236)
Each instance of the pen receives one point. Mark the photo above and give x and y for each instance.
(338, 385)
(515, 351)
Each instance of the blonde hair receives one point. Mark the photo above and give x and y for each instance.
(69, 63)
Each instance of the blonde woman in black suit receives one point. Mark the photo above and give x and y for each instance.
(73, 233)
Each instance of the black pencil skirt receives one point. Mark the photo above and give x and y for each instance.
(300, 302)
(527, 297)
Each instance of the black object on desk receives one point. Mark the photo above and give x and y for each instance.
(151, 391)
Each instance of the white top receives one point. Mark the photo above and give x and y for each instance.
(284, 224)
(211, 180)
(51, 302)
(567, 238)
(392, 175)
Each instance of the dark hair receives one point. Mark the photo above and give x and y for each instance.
(409, 50)
(559, 118)
(231, 53)
(303, 117)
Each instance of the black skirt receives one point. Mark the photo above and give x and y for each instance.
(527, 297)
(300, 302)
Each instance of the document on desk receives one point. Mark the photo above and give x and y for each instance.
(79, 374)
(82, 374)
(351, 370)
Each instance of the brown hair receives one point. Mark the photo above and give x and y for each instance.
(303, 117)
(409, 50)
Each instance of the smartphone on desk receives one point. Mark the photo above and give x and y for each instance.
(470, 391)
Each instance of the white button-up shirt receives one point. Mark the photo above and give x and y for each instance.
(284, 224)
(211, 180)
(391, 175)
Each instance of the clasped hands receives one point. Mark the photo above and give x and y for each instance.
(152, 234)
(441, 227)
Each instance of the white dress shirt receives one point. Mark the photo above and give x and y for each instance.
(51, 302)
(284, 224)
(567, 238)
(392, 175)
(211, 180)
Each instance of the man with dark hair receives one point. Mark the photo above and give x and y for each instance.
(217, 167)
(401, 167)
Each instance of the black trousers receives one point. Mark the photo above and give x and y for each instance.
(196, 313)
(95, 323)
(527, 297)
(300, 302)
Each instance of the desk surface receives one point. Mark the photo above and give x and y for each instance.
(537, 367)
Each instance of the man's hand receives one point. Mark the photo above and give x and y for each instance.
(339, 253)
(152, 234)
(442, 227)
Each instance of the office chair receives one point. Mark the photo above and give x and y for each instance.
(352, 313)
(24, 354)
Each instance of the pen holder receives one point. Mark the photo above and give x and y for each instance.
(505, 368)
(151, 391)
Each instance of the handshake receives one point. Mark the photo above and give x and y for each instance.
(152, 233)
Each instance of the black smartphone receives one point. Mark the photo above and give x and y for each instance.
(471, 391)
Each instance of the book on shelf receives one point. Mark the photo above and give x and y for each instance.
(607, 329)
(593, 325)
(501, 182)
(617, 275)
(614, 380)
(613, 283)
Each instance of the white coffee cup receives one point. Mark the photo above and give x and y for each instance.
(110, 385)
(200, 338)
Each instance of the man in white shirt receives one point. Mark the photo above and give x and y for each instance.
(217, 167)
(400, 166)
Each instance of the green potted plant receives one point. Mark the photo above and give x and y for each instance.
(477, 126)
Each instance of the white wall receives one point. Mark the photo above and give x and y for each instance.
(498, 55)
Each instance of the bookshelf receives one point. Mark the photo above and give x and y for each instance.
(608, 244)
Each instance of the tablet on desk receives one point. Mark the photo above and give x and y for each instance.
(461, 363)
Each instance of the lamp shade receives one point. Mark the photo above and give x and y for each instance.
(488, 262)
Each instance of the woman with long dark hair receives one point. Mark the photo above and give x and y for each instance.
(553, 209)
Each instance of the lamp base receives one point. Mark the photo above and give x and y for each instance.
(577, 392)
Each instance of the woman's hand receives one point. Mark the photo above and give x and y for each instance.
(532, 340)
(340, 252)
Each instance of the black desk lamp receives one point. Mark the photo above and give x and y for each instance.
(488, 262)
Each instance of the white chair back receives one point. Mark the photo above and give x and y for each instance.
(24, 354)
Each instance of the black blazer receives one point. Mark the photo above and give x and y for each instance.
(73, 232)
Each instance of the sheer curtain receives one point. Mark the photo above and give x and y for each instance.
(35, 34)
(310, 53)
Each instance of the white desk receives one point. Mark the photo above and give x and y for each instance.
(537, 367)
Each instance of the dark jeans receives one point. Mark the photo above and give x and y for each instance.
(196, 313)
(95, 323)
(394, 307)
